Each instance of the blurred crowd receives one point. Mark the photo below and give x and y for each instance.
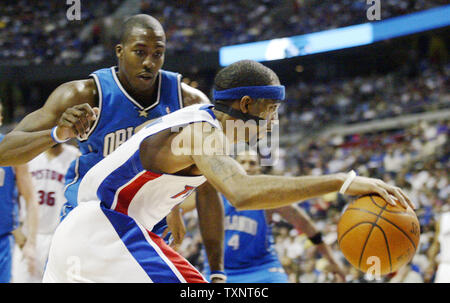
(193, 27)
(39, 31)
(311, 16)
(313, 105)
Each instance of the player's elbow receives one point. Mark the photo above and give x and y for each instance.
(240, 192)
(9, 159)
(2, 159)
(9, 155)
(5, 156)
(242, 201)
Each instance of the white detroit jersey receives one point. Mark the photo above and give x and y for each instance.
(48, 174)
(123, 185)
(119, 202)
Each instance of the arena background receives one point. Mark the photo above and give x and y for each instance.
(382, 108)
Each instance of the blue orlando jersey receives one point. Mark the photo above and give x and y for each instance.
(119, 115)
(248, 238)
(8, 199)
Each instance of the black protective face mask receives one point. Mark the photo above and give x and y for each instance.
(236, 113)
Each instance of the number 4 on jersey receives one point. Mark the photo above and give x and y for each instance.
(234, 241)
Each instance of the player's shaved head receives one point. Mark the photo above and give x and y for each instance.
(140, 21)
(245, 73)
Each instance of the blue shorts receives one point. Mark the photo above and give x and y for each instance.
(265, 273)
(6, 251)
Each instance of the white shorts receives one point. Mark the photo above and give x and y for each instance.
(96, 244)
(443, 273)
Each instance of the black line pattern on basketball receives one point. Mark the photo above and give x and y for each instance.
(387, 220)
(351, 228)
(387, 246)
(374, 225)
(387, 210)
(368, 236)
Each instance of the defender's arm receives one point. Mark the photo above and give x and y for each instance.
(69, 107)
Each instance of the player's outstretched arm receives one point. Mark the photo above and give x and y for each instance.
(69, 106)
(265, 192)
(262, 191)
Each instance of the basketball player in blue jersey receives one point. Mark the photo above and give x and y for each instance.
(13, 181)
(108, 237)
(250, 255)
(103, 111)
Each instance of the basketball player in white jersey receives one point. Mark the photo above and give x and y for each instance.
(47, 171)
(441, 246)
(108, 237)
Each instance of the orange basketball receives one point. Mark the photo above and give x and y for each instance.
(377, 237)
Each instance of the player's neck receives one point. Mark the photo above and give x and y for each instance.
(146, 98)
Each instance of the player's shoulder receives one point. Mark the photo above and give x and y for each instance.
(83, 86)
(76, 92)
(192, 95)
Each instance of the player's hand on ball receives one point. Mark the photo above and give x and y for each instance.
(392, 194)
(76, 121)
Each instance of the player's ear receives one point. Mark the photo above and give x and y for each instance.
(244, 103)
(119, 51)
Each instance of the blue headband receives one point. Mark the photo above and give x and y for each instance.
(274, 92)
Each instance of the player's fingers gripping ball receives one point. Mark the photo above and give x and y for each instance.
(376, 237)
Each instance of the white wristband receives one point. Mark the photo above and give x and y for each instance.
(55, 137)
(220, 276)
(350, 177)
